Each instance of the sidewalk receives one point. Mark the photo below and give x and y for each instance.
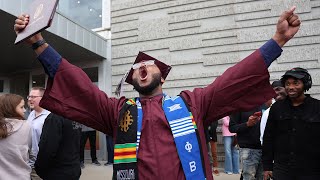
(93, 172)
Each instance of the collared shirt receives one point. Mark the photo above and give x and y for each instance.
(36, 126)
(263, 122)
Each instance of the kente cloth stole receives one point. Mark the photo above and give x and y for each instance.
(183, 128)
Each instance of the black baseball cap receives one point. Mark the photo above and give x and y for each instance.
(276, 83)
(297, 72)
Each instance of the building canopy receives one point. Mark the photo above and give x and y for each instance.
(72, 41)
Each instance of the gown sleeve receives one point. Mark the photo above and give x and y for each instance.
(240, 88)
(72, 95)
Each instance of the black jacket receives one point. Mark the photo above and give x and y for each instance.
(59, 149)
(213, 131)
(292, 137)
(248, 137)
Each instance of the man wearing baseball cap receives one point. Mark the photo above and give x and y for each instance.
(291, 145)
(278, 87)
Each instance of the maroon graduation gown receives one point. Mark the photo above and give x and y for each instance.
(242, 87)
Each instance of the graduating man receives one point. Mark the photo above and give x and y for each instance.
(157, 136)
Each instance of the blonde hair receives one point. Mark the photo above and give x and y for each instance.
(41, 89)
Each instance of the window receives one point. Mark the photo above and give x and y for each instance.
(87, 13)
(39, 80)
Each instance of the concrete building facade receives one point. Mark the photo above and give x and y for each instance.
(202, 38)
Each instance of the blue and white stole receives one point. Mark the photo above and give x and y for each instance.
(183, 128)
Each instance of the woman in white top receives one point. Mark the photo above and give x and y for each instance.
(15, 139)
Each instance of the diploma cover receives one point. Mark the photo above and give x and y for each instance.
(41, 13)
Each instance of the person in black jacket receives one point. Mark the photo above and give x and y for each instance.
(213, 144)
(247, 127)
(291, 145)
(59, 153)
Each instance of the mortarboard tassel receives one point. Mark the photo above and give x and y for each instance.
(119, 89)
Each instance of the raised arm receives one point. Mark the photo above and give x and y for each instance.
(245, 85)
(69, 92)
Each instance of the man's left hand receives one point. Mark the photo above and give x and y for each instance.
(287, 26)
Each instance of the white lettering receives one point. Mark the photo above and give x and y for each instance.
(192, 166)
(174, 107)
(127, 174)
(174, 98)
(188, 146)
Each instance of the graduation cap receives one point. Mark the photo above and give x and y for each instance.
(164, 69)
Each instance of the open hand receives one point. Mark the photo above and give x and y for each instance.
(287, 26)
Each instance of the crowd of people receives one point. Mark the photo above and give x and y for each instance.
(155, 136)
(44, 146)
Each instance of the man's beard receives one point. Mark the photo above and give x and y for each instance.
(147, 90)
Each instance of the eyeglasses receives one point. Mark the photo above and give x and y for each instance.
(32, 97)
(144, 63)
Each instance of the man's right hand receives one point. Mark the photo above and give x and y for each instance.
(20, 23)
(267, 175)
(254, 119)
